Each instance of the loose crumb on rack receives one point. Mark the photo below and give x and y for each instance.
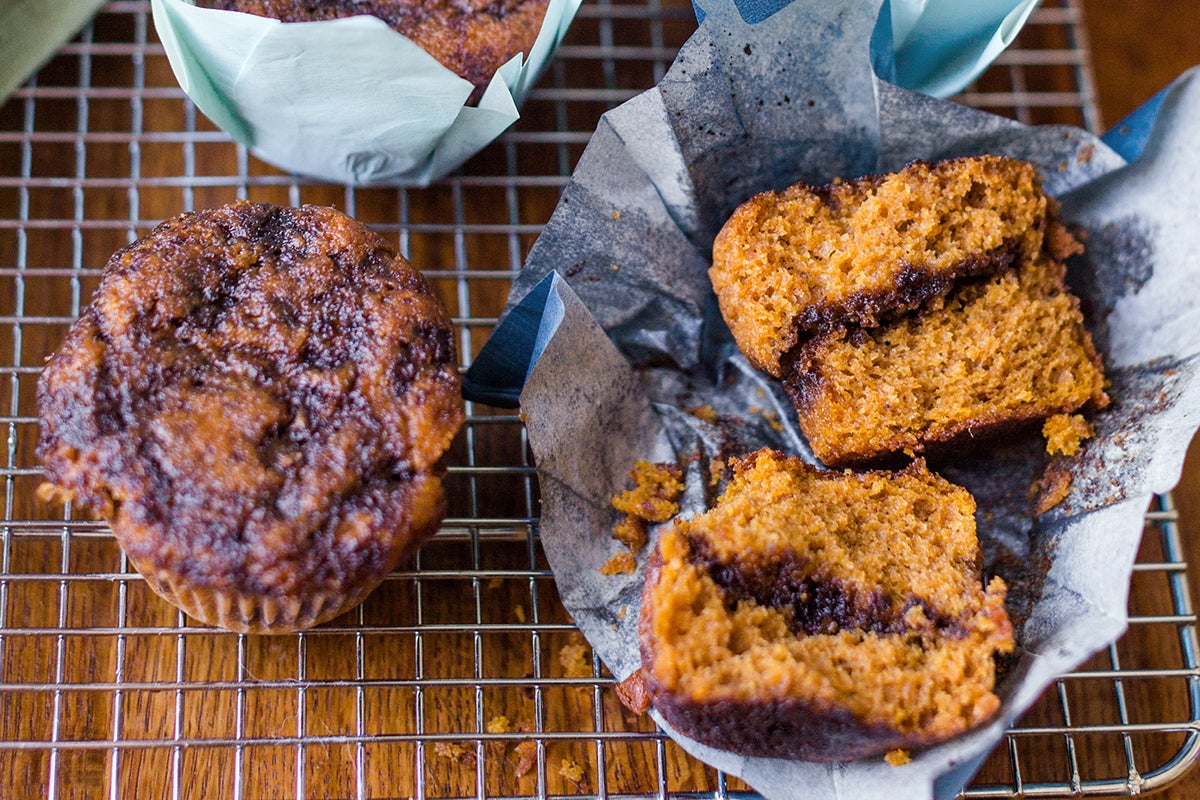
(450, 751)
(519, 613)
(500, 724)
(569, 768)
(575, 661)
(897, 758)
(526, 753)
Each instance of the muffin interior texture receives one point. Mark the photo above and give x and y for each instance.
(808, 259)
(1008, 349)
(827, 593)
(257, 399)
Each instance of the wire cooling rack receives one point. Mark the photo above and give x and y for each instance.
(462, 676)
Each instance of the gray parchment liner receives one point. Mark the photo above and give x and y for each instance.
(745, 109)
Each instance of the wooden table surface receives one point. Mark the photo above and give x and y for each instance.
(1137, 47)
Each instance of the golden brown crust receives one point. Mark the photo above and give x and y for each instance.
(472, 38)
(257, 400)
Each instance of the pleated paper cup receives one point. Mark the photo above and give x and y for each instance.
(345, 100)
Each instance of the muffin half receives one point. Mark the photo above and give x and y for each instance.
(823, 616)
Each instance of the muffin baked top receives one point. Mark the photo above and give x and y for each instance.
(257, 399)
(472, 38)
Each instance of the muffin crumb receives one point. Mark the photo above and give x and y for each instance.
(619, 564)
(526, 753)
(632, 693)
(575, 661)
(656, 487)
(1065, 433)
(569, 768)
(1051, 488)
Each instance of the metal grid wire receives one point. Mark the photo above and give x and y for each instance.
(462, 676)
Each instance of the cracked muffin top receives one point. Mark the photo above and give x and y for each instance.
(257, 399)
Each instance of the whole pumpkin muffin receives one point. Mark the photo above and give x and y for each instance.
(257, 400)
(472, 38)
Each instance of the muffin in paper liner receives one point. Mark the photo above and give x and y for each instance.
(618, 281)
(258, 400)
(346, 100)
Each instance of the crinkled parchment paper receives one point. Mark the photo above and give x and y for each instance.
(619, 323)
(931, 46)
(345, 100)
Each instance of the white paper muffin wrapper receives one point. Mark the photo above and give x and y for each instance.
(346, 100)
(616, 331)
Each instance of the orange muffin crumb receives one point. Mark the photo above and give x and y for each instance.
(631, 532)
(575, 661)
(500, 724)
(656, 487)
(653, 498)
(569, 768)
(1050, 489)
(619, 564)
(526, 753)
(1065, 433)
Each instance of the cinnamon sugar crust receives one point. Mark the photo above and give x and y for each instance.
(258, 400)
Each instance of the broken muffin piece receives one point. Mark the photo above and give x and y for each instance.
(910, 310)
(990, 356)
(809, 259)
(823, 615)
